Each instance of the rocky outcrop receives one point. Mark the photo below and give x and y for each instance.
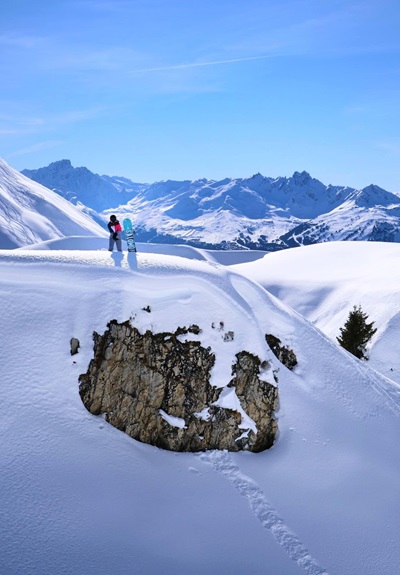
(74, 345)
(256, 398)
(156, 388)
(283, 353)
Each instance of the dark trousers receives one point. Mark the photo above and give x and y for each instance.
(111, 243)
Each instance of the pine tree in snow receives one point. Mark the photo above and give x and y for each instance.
(356, 333)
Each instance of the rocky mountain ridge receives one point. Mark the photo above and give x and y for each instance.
(257, 212)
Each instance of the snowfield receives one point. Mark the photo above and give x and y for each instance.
(78, 496)
(324, 281)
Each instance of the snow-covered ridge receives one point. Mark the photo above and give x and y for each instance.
(31, 213)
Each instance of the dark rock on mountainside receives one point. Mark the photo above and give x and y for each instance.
(156, 388)
(282, 352)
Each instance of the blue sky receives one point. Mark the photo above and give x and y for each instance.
(185, 89)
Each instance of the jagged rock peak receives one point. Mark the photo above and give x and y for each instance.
(301, 177)
(61, 164)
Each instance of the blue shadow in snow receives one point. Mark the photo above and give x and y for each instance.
(132, 260)
(117, 257)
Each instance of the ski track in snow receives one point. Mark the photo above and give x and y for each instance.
(223, 463)
(390, 391)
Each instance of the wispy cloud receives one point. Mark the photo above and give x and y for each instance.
(38, 147)
(22, 125)
(198, 64)
(329, 30)
(73, 116)
(8, 132)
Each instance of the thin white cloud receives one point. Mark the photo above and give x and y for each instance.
(23, 125)
(198, 64)
(74, 116)
(38, 147)
(8, 132)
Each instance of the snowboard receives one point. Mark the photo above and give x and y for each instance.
(129, 231)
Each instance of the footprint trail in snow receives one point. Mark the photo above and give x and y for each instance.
(223, 463)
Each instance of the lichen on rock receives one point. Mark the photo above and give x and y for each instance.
(156, 388)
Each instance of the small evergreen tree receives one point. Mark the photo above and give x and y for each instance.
(356, 333)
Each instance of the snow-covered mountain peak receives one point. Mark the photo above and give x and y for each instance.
(372, 196)
(80, 184)
(31, 213)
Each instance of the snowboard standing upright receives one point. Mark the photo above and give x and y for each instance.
(129, 231)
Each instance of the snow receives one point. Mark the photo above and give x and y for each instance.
(172, 420)
(30, 213)
(324, 281)
(229, 400)
(79, 496)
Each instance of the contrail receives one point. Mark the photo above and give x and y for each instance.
(198, 64)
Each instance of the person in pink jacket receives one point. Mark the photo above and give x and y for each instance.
(114, 227)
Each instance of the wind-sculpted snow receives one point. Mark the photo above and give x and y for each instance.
(79, 496)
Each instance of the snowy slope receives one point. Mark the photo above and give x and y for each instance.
(79, 496)
(369, 214)
(225, 257)
(323, 282)
(30, 213)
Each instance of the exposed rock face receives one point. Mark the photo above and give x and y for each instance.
(283, 353)
(156, 389)
(256, 397)
(75, 345)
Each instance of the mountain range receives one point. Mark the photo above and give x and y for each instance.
(254, 213)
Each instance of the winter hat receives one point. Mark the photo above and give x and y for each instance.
(113, 218)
